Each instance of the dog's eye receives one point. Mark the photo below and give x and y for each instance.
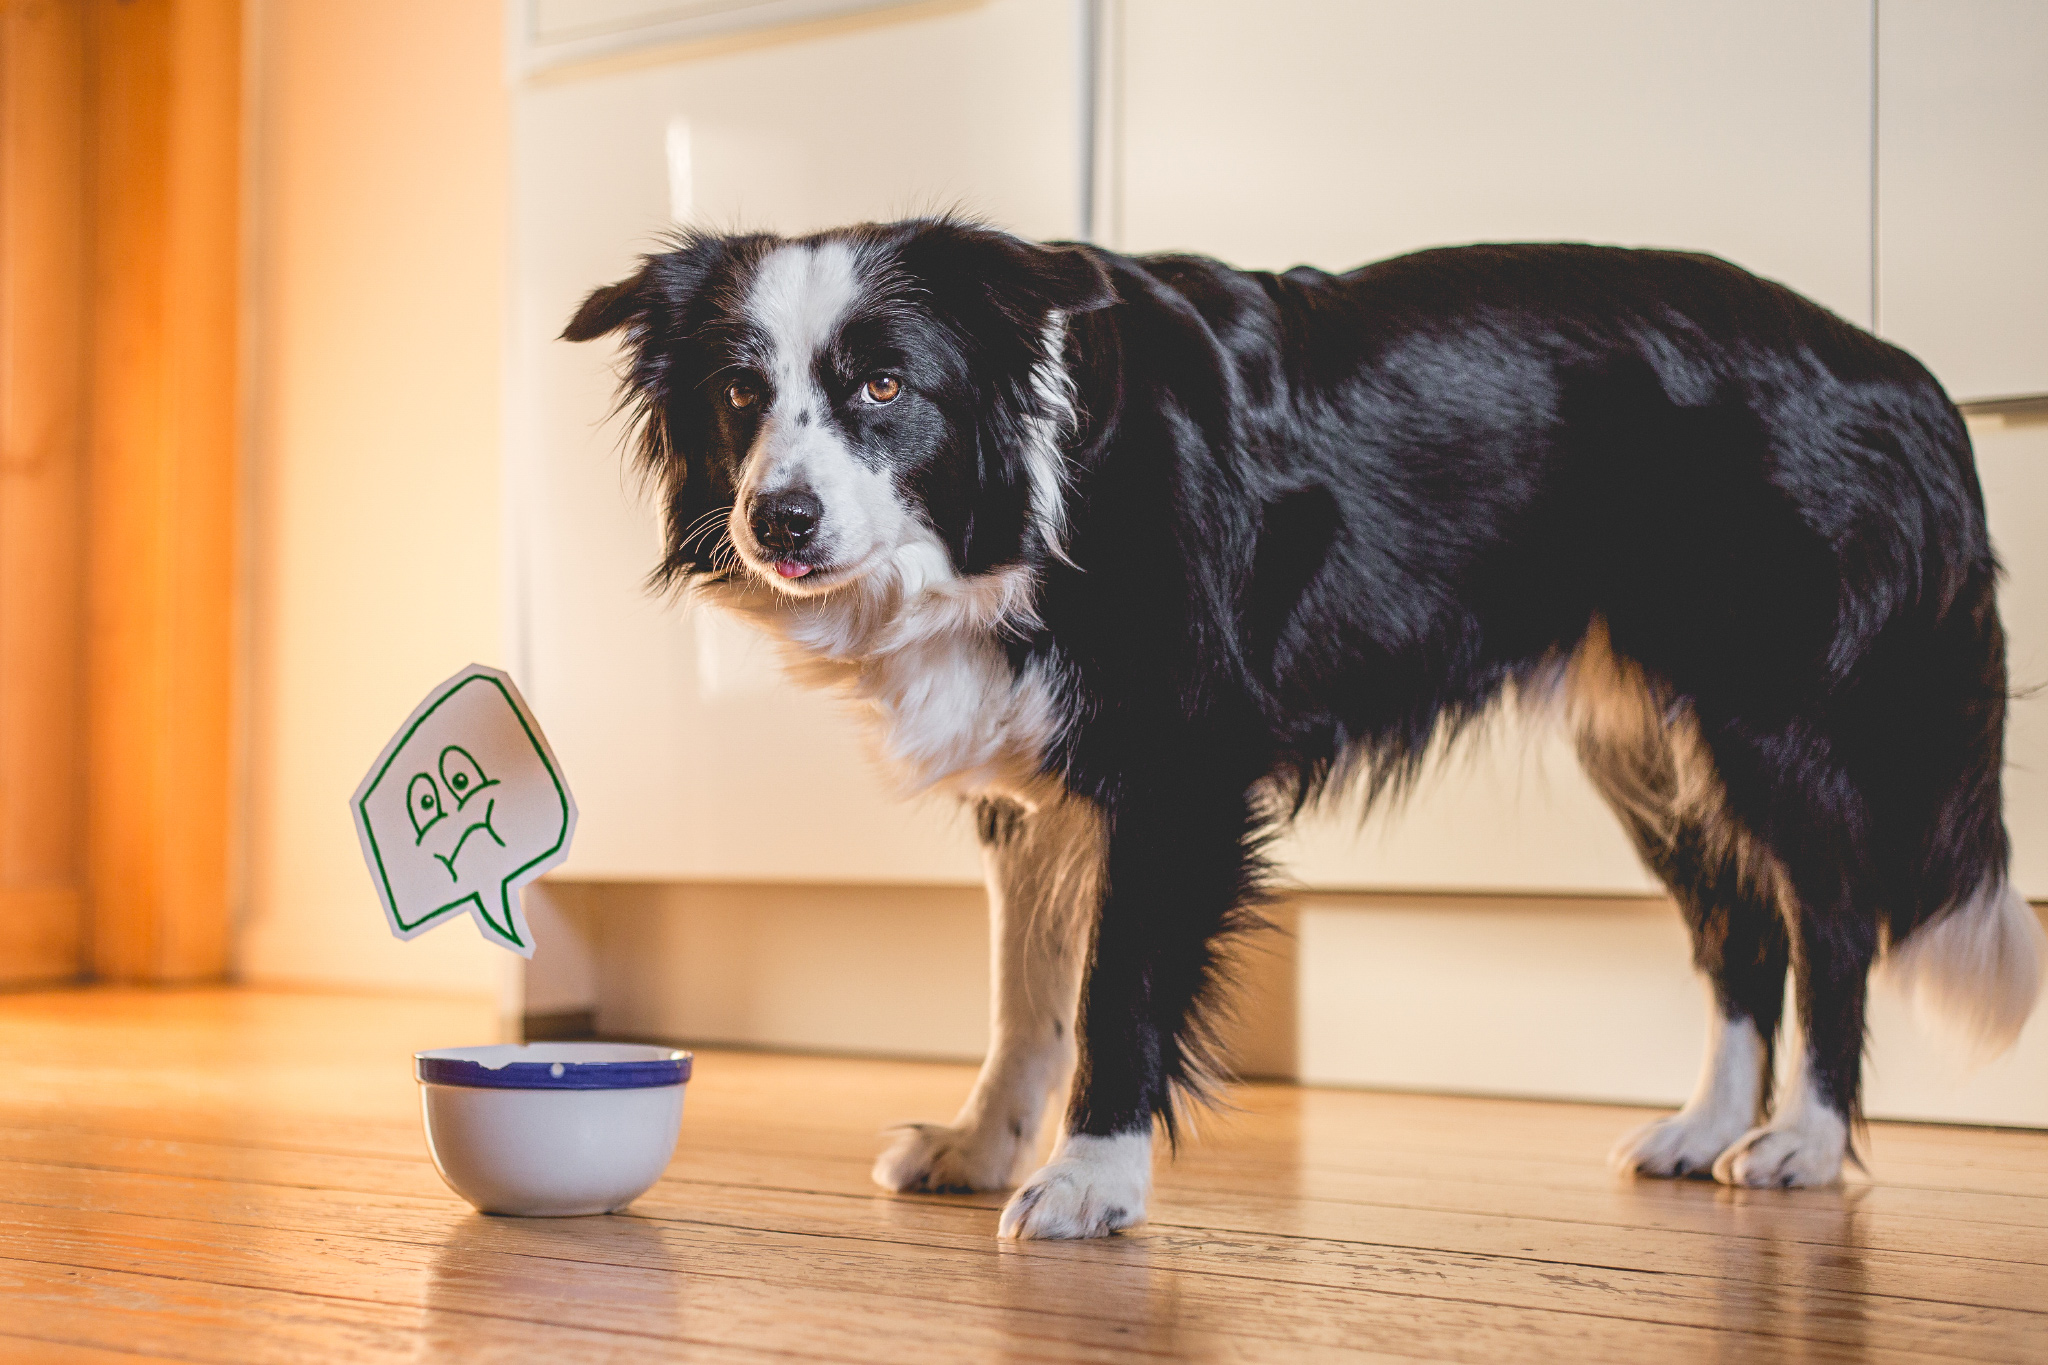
(742, 395)
(883, 388)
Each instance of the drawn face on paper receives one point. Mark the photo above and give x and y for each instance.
(466, 808)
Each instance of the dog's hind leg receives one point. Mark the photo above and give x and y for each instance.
(1815, 820)
(1806, 1139)
(1883, 809)
(1645, 759)
(1740, 945)
(1043, 870)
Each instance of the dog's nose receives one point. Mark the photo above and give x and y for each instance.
(783, 521)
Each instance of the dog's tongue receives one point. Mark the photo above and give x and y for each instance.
(789, 568)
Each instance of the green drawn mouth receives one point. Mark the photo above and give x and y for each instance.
(484, 825)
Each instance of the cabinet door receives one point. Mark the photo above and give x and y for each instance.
(2012, 461)
(691, 758)
(1295, 131)
(1962, 190)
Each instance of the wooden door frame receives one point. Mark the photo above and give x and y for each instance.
(44, 261)
(119, 342)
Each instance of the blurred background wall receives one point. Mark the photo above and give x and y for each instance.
(378, 216)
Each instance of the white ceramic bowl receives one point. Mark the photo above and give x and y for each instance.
(552, 1130)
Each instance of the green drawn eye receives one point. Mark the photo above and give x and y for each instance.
(462, 774)
(423, 803)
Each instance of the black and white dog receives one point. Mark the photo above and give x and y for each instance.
(1142, 555)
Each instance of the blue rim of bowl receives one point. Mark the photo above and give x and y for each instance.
(673, 1069)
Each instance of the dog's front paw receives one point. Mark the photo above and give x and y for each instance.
(1683, 1144)
(1798, 1151)
(942, 1160)
(1092, 1187)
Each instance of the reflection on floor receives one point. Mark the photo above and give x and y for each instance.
(240, 1176)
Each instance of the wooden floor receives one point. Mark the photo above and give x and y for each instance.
(241, 1177)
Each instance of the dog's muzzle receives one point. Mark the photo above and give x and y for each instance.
(784, 524)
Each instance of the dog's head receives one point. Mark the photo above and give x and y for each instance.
(821, 409)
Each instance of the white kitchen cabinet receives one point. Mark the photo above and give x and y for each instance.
(1291, 130)
(2012, 462)
(1962, 190)
(1507, 811)
(691, 758)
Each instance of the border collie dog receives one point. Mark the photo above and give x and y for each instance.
(1141, 555)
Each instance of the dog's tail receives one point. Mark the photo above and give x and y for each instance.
(1975, 969)
(1962, 944)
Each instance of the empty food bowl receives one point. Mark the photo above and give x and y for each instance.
(552, 1130)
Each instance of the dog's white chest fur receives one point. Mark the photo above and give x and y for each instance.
(953, 714)
(922, 655)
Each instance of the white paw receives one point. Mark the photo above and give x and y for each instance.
(1683, 1144)
(942, 1160)
(1092, 1187)
(1803, 1151)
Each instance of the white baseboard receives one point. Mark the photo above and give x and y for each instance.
(1580, 1000)
(1552, 997)
(860, 970)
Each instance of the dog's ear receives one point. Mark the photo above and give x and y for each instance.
(610, 308)
(660, 308)
(1062, 276)
(1026, 280)
(659, 293)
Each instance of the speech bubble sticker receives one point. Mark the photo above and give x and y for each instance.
(464, 806)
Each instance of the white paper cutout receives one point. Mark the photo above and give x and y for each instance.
(464, 806)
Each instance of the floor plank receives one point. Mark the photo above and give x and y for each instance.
(42, 1352)
(240, 1176)
(181, 1319)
